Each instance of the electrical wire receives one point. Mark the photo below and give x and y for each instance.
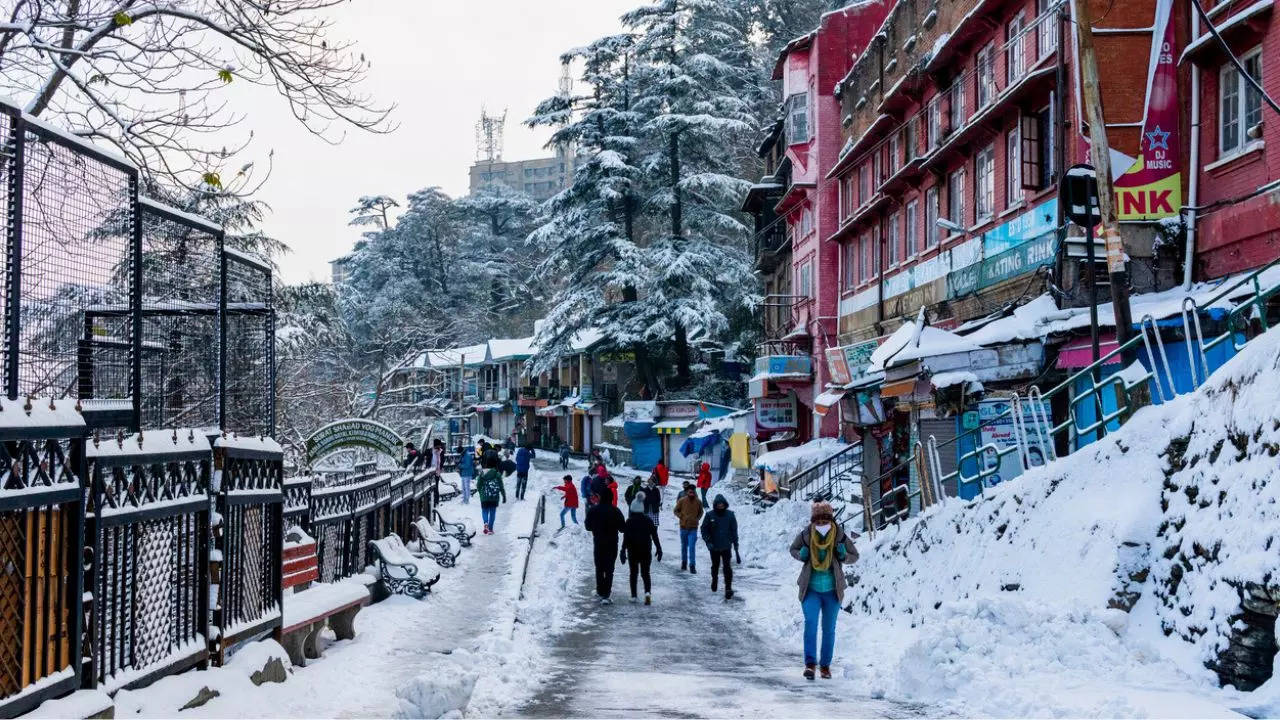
(1213, 29)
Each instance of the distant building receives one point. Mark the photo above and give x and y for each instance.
(540, 178)
(340, 269)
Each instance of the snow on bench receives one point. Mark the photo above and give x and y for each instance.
(312, 605)
(398, 569)
(439, 547)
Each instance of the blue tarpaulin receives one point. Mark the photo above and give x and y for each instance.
(694, 445)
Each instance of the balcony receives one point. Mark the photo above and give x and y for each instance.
(781, 315)
(772, 243)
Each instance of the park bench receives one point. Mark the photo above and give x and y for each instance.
(439, 547)
(448, 490)
(398, 568)
(462, 531)
(310, 606)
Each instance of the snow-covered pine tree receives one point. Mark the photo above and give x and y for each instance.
(591, 227)
(694, 86)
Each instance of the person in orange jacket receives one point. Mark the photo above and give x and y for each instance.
(704, 481)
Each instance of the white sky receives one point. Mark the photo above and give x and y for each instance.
(439, 61)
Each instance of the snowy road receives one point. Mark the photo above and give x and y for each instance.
(690, 654)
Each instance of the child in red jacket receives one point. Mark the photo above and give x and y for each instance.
(570, 500)
(704, 481)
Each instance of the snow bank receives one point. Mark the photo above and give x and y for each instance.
(1100, 584)
(169, 695)
(788, 460)
(445, 691)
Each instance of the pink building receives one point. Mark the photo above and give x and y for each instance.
(792, 371)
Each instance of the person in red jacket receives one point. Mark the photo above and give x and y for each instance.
(613, 488)
(661, 473)
(704, 481)
(570, 500)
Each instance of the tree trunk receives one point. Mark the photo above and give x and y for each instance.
(683, 376)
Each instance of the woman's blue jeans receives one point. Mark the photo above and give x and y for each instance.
(488, 513)
(826, 604)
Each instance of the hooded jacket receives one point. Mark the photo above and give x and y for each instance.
(604, 521)
(704, 476)
(466, 463)
(524, 456)
(491, 487)
(637, 534)
(720, 527)
(844, 540)
(632, 489)
(652, 499)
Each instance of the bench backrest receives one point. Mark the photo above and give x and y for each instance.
(300, 565)
(392, 550)
(425, 531)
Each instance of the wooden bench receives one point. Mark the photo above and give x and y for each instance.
(309, 607)
(459, 530)
(431, 543)
(398, 568)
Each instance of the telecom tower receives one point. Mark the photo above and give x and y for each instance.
(489, 133)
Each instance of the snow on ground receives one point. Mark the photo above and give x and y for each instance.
(792, 459)
(1001, 607)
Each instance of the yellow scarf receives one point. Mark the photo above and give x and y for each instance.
(817, 543)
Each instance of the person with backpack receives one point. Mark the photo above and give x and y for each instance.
(491, 489)
(605, 522)
(570, 500)
(524, 458)
(466, 471)
(704, 481)
(720, 533)
(689, 510)
(637, 534)
(822, 547)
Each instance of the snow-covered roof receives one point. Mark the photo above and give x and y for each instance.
(789, 460)
(915, 340)
(511, 349)
(585, 339)
(453, 357)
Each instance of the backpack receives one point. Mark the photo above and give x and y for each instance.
(490, 486)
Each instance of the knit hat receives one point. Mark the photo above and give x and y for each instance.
(637, 505)
(822, 511)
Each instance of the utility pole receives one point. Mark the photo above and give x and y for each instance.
(1101, 155)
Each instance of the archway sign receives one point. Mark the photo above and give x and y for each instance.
(353, 433)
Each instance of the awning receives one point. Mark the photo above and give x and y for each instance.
(1079, 352)
(827, 400)
(549, 411)
(584, 408)
(617, 421)
(673, 427)
(901, 388)
(694, 444)
(488, 407)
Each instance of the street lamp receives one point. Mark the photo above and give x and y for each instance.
(949, 226)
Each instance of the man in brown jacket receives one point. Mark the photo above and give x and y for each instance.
(689, 510)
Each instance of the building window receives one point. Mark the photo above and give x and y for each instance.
(849, 262)
(931, 210)
(1239, 104)
(806, 223)
(891, 239)
(1013, 167)
(1046, 27)
(877, 168)
(913, 213)
(864, 184)
(986, 66)
(867, 272)
(805, 281)
(955, 197)
(891, 166)
(984, 184)
(909, 140)
(1037, 150)
(846, 197)
(933, 128)
(798, 118)
(1015, 49)
(958, 115)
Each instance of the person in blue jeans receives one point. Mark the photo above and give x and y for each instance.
(466, 471)
(689, 510)
(524, 458)
(822, 548)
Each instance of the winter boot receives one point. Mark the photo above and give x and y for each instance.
(808, 671)
(647, 601)
(605, 601)
(684, 565)
(634, 600)
(693, 569)
(825, 671)
(714, 582)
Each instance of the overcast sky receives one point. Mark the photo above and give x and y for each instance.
(438, 62)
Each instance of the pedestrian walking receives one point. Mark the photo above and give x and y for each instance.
(510, 443)
(822, 547)
(653, 501)
(613, 490)
(632, 489)
(662, 473)
(605, 522)
(720, 533)
(570, 500)
(411, 455)
(564, 456)
(491, 488)
(507, 465)
(437, 456)
(466, 471)
(704, 481)
(637, 535)
(524, 458)
(689, 510)
(586, 489)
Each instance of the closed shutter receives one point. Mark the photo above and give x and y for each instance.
(943, 432)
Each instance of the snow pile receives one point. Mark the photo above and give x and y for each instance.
(442, 692)
(788, 460)
(169, 695)
(1100, 584)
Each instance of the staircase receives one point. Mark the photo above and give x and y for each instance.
(836, 479)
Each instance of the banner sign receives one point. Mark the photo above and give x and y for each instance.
(1024, 228)
(353, 433)
(838, 366)
(1151, 185)
(784, 365)
(776, 413)
(858, 357)
(1001, 433)
(1009, 264)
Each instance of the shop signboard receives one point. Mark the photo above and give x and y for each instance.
(776, 413)
(1000, 432)
(1028, 226)
(784, 365)
(858, 357)
(838, 365)
(1003, 266)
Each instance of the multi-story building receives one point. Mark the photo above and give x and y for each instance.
(539, 178)
(796, 214)
(1234, 169)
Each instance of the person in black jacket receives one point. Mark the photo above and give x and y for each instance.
(638, 532)
(604, 522)
(411, 455)
(720, 533)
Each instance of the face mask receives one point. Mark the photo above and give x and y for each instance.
(823, 529)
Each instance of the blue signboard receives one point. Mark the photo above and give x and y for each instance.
(1023, 228)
